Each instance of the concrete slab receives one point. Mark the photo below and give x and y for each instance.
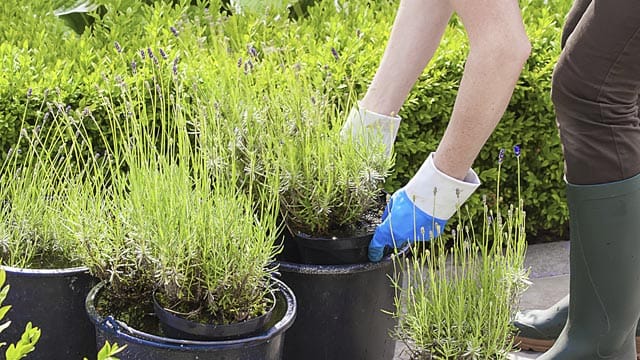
(548, 259)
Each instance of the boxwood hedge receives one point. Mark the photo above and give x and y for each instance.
(335, 43)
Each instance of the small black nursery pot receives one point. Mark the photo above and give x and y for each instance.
(178, 327)
(334, 250)
(53, 300)
(265, 345)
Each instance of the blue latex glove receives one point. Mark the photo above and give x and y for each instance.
(409, 224)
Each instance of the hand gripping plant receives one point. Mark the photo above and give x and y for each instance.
(462, 292)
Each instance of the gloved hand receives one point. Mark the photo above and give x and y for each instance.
(420, 209)
(366, 126)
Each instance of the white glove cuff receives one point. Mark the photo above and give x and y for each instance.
(437, 193)
(362, 122)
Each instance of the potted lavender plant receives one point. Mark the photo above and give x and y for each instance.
(49, 281)
(330, 193)
(198, 238)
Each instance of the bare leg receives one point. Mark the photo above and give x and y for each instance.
(499, 48)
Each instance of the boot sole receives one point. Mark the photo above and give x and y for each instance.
(538, 345)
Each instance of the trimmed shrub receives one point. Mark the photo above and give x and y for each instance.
(336, 45)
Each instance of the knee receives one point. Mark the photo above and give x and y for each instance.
(510, 51)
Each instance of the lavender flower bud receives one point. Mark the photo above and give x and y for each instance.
(252, 51)
(516, 150)
(117, 46)
(29, 92)
(142, 55)
(248, 66)
(501, 156)
(174, 31)
(334, 52)
(134, 67)
(240, 62)
(163, 54)
(175, 66)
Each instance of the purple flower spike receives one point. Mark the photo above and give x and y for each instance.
(240, 62)
(252, 51)
(134, 67)
(501, 156)
(142, 55)
(163, 54)
(175, 65)
(117, 46)
(29, 92)
(150, 52)
(174, 31)
(516, 149)
(334, 52)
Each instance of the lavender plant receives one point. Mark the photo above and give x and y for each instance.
(34, 175)
(201, 235)
(461, 296)
(331, 184)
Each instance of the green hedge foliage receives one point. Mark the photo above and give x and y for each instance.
(334, 44)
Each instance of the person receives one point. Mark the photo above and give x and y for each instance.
(595, 91)
(499, 47)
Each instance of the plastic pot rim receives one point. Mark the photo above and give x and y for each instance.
(120, 329)
(240, 330)
(46, 272)
(343, 269)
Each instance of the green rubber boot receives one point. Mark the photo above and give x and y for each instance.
(539, 329)
(604, 283)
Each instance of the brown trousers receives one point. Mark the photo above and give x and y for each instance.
(595, 90)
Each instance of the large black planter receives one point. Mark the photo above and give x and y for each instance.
(340, 311)
(264, 346)
(52, 300)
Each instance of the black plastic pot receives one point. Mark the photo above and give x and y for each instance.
(178, 327)
(264, 346)
(340, 311)
(52, 300)
(332, 251)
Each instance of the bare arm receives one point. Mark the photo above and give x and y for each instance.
(415, 36)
